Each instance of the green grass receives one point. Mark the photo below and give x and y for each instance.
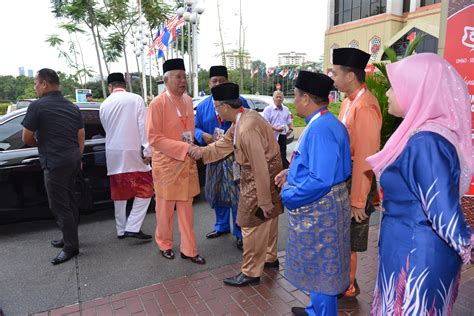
(3, 108)
(300, 122)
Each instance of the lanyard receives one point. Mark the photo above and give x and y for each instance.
(237, 123)
(349, 106)
(178, 112)
(314, 118)
(118, 90)
(219, 120)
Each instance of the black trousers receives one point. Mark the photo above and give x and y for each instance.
(60, 186)
(282, 143)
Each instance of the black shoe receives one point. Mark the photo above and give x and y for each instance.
(121, 236)
(274, 264)
(196, 259)
(168, 254)
(240, 244)
(241, 280)
(57, 243)
(64, 256)
(215, 234)
(139, 235)
(299, 311)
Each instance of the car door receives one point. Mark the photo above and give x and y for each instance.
(21, 178)
(95, 183)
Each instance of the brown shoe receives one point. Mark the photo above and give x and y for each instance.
(196, 259)
(168, 254)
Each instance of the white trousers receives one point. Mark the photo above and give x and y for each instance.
(136, 217)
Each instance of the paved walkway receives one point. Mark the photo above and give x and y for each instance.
(204, 294)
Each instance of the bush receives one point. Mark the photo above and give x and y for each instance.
(300, 122)
(3, 108)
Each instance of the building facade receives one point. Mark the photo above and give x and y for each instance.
(291, 58)
(232, 60)
(371, 25)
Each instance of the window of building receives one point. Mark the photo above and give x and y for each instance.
(374, 46)
(406, 5)
(428, 45)
(352, 10)
(424, 3)
(354, 44)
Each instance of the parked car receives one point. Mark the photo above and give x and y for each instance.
(23, 195)
(256, 102)
(20, 104)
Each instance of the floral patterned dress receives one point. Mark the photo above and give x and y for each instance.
(424, 237)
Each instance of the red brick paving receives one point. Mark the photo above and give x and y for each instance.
(204, 293)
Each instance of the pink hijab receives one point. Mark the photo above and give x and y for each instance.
(433, 97)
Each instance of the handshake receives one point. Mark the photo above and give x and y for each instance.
(195, 152)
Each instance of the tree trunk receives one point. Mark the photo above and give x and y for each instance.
(102, 50)
(104, 90)
(82, 59)
(128, 76)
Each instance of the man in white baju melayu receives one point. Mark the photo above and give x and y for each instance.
(128, 156)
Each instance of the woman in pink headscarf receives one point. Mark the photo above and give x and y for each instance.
(424, 169)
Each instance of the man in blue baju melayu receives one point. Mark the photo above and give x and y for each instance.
(315, 193)
(220, 190)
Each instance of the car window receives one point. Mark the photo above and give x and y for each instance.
(22, 104)
(259, 105)
(92, 125)
(10, 134)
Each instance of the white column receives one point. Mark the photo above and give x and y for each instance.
(395, 7)
(330, 8)
(195, 58)
(414, 4)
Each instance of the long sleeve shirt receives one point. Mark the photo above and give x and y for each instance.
(206, 119)
(321, 160)
(255, 146)
(278, 118)
(123, 116)
(364, 122)
(174, 172)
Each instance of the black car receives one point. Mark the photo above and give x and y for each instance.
(22, 192)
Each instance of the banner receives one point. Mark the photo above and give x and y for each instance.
(459, 48)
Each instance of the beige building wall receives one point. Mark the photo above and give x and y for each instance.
(384, 26)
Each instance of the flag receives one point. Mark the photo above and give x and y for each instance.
(291, 74)
(270, 71)
(296, 74)
(412, 36)
(173, 24)
(254, 72)
(161, 41)
(285, 72)
(262, 72)
(160, 54)
(281, 72)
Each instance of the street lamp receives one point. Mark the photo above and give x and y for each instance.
(191, 13)
(141, 42)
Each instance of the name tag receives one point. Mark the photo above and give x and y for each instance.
(218, 133)
(187, 137)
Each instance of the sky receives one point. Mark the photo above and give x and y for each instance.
(271, 27)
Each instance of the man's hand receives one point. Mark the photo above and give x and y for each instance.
(280, 178)
(195, 152)
(267, 210)
(208, 138)
(147, 160)
(358, 214)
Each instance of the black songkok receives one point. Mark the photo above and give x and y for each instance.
(173, 64)
(225, 91)
(350, 57)
(220, 71)
(115, 77)
(314, 83)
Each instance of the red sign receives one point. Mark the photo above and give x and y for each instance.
(278, 86)
(459, 48)
(369, 70)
